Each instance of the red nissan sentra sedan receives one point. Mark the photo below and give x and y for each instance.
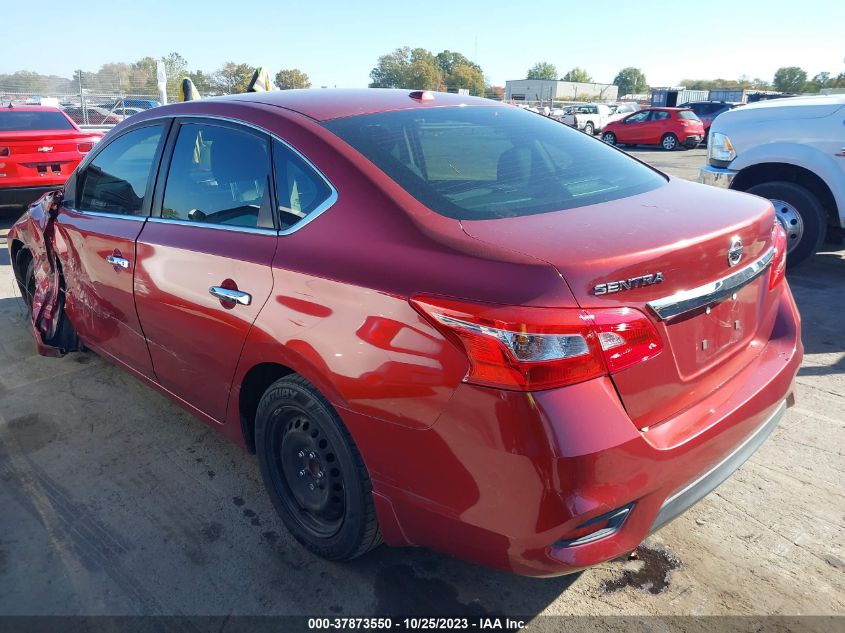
(438, 320)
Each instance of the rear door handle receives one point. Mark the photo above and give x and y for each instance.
(114, 260)
(235, 296)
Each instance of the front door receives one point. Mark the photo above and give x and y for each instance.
(204, 258)
(102, 214)
(631, 130)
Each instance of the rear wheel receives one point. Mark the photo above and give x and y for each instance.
(669, 142)
(609, 138)
(589, 129)
(800, 214)
(313, 471)
(25, 275)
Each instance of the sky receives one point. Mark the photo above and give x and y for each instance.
(337, 43)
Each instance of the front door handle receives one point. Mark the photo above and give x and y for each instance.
(114, 260)
(234, 296)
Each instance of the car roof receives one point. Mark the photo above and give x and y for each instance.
(334, 103)
(30, 108)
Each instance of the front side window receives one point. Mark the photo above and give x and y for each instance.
(300, 191)
(219, 175)
(639, 117)
(487, 162)
(116, 180)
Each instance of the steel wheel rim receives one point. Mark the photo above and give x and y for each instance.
(302, 457)
(791, 222)
(589, 129)
(669, 142)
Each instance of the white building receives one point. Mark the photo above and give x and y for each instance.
(545, 90)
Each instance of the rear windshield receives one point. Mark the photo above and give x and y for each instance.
(688, 114)
(480, 163)
(28, 120)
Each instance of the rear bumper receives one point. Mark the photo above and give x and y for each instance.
(693, 140)
(24, 196)
(509, 480)
(716, 176)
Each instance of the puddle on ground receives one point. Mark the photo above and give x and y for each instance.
(655, 565)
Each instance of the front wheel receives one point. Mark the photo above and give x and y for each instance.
(609, 138)
(313, 471)
(669, 142)
(801, 215)
(589, 129)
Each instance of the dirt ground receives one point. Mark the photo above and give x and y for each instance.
(115, 501)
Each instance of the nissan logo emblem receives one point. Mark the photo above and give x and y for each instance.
(735, 251)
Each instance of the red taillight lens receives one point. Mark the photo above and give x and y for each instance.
(84, 148)
(626, 336)
(530, 349)
(778, 270)
(4, 151)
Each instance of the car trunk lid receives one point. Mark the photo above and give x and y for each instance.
(646, 248)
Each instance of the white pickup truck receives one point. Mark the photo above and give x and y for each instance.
(791, 151)
(588, 117)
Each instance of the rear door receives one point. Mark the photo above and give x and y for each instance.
(204, 257)
(103, 212)
(655, 127)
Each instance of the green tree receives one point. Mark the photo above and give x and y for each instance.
(468, 77)
(232, 78)
(578, 75)
(790, 79)
(291, 78)
(176, 67)
(203, 82)
(448, 60)
(409, 68)
(542, 70)
(631, 81)
(822, 80)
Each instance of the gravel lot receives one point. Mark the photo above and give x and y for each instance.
(115, 501)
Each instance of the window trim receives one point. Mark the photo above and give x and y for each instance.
(166, 126)
(161, 177)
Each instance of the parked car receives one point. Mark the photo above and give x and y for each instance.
(39, 148)
(93, 115)
(621, 110)
(707, 111)
(791, 151)
(129, 102)
(491, 345)
(589, 117)
(667, 127)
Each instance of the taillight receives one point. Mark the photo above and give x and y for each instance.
(530, 349)
(778, 270)
(84, 148)
(4, 151)
(627, 337)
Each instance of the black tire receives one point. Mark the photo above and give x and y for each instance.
(589, 129)
(25, 275)
(609, 138)
(313, 471)
(812, 217)
(669, 142)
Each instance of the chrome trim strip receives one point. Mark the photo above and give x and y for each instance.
(692, 493)
(311, 216)
(113, 216)
(689, 300)
(219, 227)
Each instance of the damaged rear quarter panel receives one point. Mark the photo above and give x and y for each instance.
(35, 231)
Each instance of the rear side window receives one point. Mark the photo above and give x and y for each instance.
(116, 179)
(219, 175)
(688, 114)
(25, 121)
(659, 115)
(300, 191)
(480, 163)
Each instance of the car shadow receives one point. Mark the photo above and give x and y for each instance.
(818, 285)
